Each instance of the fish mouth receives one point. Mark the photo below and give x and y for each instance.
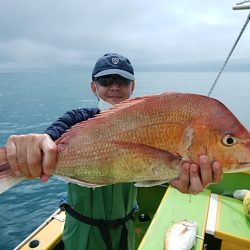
(239, 167)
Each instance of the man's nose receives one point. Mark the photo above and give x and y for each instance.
(115, 85)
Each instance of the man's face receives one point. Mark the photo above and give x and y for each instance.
(113, 88)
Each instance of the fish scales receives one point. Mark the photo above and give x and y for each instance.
(127, 128)
(147, 139)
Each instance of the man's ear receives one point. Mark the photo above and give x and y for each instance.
(133, 86)
(93, 87)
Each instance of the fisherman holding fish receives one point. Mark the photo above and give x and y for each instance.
(98, 218)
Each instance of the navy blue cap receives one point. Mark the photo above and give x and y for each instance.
(113, 64)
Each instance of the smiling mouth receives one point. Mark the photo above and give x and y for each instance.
(114, 96)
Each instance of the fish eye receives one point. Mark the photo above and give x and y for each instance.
(229, 140)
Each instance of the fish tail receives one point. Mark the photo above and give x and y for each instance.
(7, 178)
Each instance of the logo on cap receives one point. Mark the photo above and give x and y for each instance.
(115, 60)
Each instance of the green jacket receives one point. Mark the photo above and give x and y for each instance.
(107, 203)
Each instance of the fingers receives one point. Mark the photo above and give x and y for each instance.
(195, 177)
(195, 180)
(205, 170)
(189, 180)
(12, 155)
(32, 155)
(23, 155)
(217, 172)
(211, 171)
(22, 158)
(50, 153)
(204, 173)
(182, 183)
(34, 159)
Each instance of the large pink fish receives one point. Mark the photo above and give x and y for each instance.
(145, 140)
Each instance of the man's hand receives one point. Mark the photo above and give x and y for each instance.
(31, 155)
(195, 177)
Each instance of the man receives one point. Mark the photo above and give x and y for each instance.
(98, 218)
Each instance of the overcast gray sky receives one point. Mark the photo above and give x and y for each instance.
(154, 35)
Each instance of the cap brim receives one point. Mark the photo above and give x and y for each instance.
(122, 73)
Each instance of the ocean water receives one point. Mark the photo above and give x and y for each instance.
(29, 102)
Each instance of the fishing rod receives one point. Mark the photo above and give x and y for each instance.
(239, 6)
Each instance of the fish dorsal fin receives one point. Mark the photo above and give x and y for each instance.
(100, 119)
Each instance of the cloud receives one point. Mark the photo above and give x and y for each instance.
(54, 34)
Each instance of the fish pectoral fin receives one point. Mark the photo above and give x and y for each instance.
(167, 156)
(149, 183)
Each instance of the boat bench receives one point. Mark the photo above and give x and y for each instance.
(218, 216)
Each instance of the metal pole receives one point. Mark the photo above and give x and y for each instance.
(230, 53)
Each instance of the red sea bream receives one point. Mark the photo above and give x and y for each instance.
(145, 140)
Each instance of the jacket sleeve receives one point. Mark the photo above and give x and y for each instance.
(56, 129)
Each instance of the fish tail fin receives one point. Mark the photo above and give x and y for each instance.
(7, 178)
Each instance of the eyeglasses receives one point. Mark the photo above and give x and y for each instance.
(108, 80)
